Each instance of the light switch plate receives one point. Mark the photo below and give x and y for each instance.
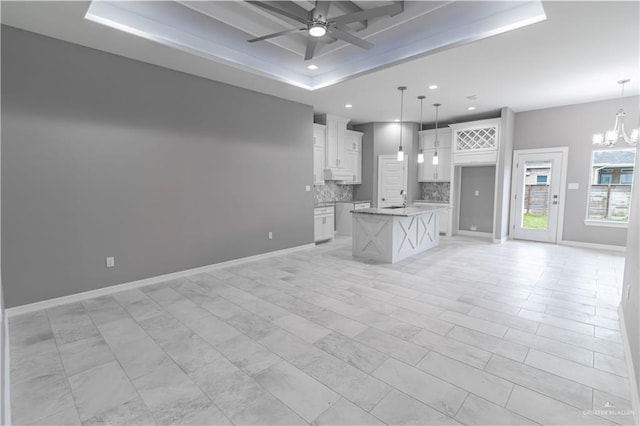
(307, 188)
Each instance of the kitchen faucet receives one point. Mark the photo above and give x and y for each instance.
(404, 195)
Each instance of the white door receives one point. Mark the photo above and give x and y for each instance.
(538, 194)
(392, 179)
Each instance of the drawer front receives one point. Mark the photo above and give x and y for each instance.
(361, 206)
(323, 210)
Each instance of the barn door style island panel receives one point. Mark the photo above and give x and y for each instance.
(390, 234)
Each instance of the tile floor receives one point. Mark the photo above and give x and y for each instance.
(467, 333)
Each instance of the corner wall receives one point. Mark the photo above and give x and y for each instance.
(107, 156)
(572, 126)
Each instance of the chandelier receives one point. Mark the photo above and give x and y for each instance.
(611, 137)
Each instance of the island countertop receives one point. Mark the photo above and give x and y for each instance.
(412, 210)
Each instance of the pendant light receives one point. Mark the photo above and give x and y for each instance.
(420, 153)
(436, 142)
(400, 151)
(611, 137)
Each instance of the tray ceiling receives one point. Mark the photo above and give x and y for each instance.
(219, 30)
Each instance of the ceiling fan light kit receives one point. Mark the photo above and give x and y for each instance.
(317, 24)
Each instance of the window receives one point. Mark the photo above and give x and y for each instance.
(541, 179)
(610, 188)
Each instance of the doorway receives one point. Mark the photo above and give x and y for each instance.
(539, 177)
(392, 179)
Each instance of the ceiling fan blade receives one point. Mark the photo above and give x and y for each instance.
(321, 9)
(349, 38)
(278, 34)
(265, 5)
(375, 12)
(312, 43)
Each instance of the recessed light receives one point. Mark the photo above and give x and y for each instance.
(312, 67)
(348, 106)
(471, 108)
(433, 87)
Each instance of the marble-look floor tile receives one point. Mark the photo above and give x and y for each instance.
(40, 397)
(400, 409)
(611, 365)
(172, 397)
(104, 309)
(100, 389)
(344, 412)
(592, 377)
(389, 325)
(478, 411)
(267, 410)
(251, 325)
(248, 355)
(37, 359)
(424, 387)
(489, 343)
(140, 357)
(212, 330)
(350, 351)
(582, 340)
(190, 352)
(422, 321)
(133, 412)
(541, 381)
(555, 347)
(477, 324)
(391, 345)
(485, 385)
(304, 329)
(337, 322)
(453, 348)
(227, 386)
(613, 408)
(82, 355)
(303, 394)
(66, 417)
(508, 320)
(548, 411)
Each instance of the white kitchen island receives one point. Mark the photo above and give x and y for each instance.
(392, 234)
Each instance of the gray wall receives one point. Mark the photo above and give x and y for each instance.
(478, 210)
(572, 126)
(631, 287)
(106, 156)
(383, 139)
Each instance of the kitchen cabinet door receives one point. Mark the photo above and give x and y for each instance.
(318, 154)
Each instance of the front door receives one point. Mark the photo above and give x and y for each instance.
(392, 179)
(538, 180)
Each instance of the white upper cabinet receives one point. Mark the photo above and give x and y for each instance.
(318, 154)
(476, 142)
(353, 157)
(336, 165)
(427, 171)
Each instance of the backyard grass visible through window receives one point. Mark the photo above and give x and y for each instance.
(535, 221)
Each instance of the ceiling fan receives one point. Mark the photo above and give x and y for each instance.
(318, 25)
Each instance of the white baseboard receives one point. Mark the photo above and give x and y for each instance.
(475, 234)
(500, 240)
(635, 398)
(45, 304)
(592, 245)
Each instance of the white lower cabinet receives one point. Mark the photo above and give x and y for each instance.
(323, 223)
(443, 216)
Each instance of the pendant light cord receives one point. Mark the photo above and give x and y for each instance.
(402, 89)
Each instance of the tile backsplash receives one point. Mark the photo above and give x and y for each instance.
(435, 191)
(331, 191)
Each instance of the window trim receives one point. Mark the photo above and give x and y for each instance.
(592, 172)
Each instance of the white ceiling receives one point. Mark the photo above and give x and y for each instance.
(219, 30)
(576, 55)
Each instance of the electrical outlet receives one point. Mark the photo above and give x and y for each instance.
(473, 227)
(307, 188)
(477, 193)
(111, 262)
(270, 235)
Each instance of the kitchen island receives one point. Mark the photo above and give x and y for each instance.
(390, 234)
